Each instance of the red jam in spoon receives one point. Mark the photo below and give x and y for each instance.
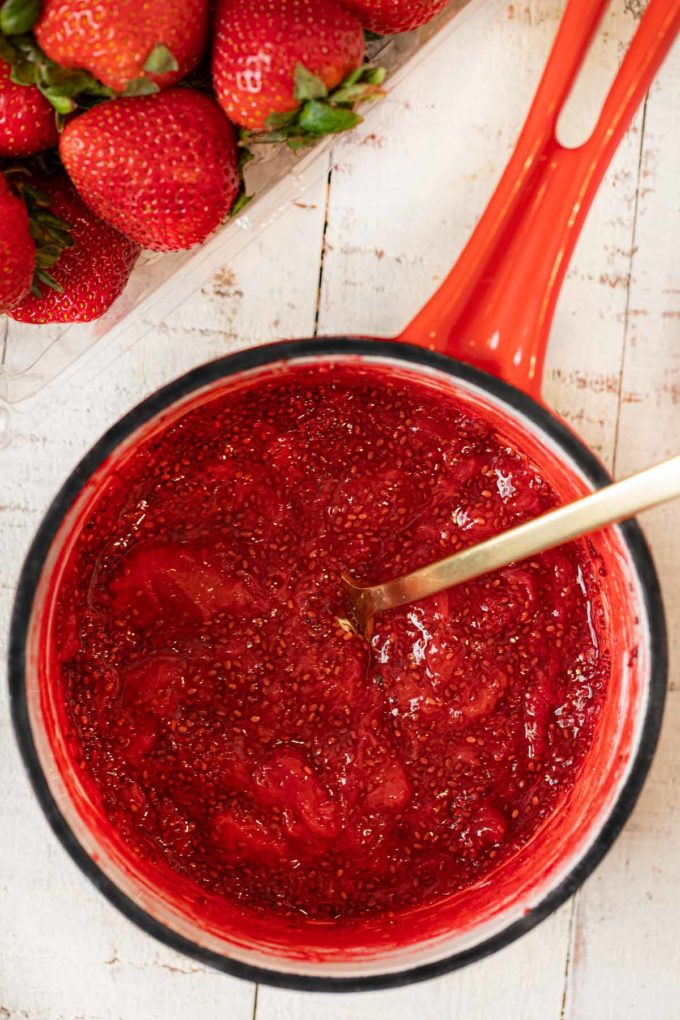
(236, 732)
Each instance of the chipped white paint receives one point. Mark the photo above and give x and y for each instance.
(404, 192)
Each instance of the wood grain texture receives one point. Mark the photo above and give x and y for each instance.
(403, 194)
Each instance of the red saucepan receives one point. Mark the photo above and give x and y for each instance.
(483, 337)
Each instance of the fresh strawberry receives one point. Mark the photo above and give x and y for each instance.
(17, 249)
(389, 16)
(88, 275)
(276, 63)
(127, 44)
(27, 121)
(163, 169)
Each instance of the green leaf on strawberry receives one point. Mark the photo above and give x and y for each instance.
(320, 119)
(18, 16)
(42, 277)
(239, 205)
(141, 87)
(320, 112)
(374, 75)
(308, 85)
(62, 104)
(160, 61)
(281, 121)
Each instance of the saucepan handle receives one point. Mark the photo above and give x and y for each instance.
(495, 308)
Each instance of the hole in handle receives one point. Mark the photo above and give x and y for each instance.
(582, 108)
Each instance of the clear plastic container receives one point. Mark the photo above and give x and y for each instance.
(36, 362)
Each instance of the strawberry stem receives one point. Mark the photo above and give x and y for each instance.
(320, 112)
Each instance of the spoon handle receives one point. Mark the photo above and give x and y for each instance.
(614, 503)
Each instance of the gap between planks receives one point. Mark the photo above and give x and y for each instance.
(571, 933)
(322, 256)
(631, 261)
(4, 330)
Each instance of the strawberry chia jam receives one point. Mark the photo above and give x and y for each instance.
(237, 733)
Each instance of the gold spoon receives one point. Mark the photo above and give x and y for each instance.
(614, 503)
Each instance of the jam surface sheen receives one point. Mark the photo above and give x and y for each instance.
(237, 732)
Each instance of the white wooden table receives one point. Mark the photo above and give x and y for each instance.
(361, 254)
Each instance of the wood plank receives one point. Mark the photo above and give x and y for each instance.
(626, 951)
(65, 952)
(585, 354)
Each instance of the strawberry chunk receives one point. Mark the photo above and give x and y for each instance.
(154, 685)
(244, 837)
(286, 781)
(158, 582)
(392, 791)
